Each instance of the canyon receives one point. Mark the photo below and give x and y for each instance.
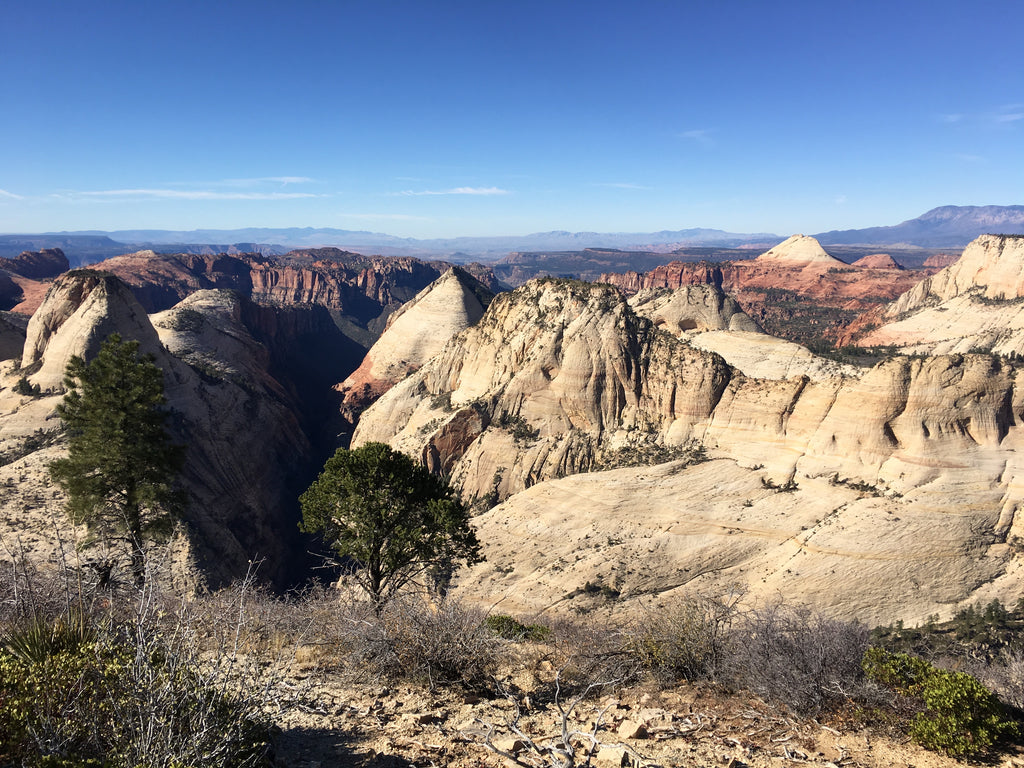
(652, 440)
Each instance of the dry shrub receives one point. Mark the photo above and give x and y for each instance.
(589, 656)
(689, 640)
(128, 683)
(432, 643)
(803, 660)
(1005, 675)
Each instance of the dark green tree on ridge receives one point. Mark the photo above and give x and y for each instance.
(121, 465)
(390, 517)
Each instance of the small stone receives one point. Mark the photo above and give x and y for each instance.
(630, 729)
(510, 745)
(612, 756)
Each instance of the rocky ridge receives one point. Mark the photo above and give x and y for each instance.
(360, 291)
(414, 333)
(975, 304)
(218, 384)
(559, 378)
(795, 290)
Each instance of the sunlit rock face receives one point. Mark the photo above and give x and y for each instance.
(904, 473)
(414, 334)
(975, 304)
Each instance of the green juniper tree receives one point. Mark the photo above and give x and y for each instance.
(121, 465)
(390, 517)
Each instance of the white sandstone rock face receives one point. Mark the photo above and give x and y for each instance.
(652, 533)
(693, 309)
(556, 372)
(243, 440)
(80, 310)
(421, 327)
(977, 303)
(415, 333)
(557, 376)
(799, 249)
(761, 356)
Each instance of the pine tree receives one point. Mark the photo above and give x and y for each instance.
(389, 518)
(121, 465)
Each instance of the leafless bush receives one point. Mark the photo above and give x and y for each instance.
(437, 643)
(689, 640)
(137, 685)
(803, 660)
(588, 653)
(1005, 676)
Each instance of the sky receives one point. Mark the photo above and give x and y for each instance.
(434, 118)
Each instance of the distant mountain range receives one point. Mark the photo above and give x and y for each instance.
(951, 226)
(945, 227)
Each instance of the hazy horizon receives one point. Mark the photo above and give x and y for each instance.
(453, 119)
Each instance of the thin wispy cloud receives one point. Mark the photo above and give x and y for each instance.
(282, 180)
(966, 157)
(1007, 114)
(9, 195)
(482, 191)
(701, 136)
(191, 194)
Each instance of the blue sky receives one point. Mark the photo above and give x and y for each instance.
(440, 119)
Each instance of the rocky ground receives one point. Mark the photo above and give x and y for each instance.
(335, 722)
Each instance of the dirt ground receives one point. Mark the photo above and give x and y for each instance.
(327, 720)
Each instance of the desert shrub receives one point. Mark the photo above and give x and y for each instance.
(961, 716)
(417, 640)
(690, 640)
(800, 659)
(23, 387)
(73, 695)
(509, 628)
(1005, 676)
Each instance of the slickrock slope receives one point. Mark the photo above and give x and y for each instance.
(649, 534)
(414, 334)
(707, 319)
(977, 303)
(559, 378)
(795, 290)
(245, 446)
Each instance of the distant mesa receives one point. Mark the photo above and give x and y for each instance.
(877, 261)
(37, 265)
(941, 260)
(799, 249)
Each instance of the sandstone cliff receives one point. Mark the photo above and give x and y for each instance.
(975, 304)
(221, 395)
(556, 375)
(414, 334)
(360, 291)
(795, 290)
(559, 378)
